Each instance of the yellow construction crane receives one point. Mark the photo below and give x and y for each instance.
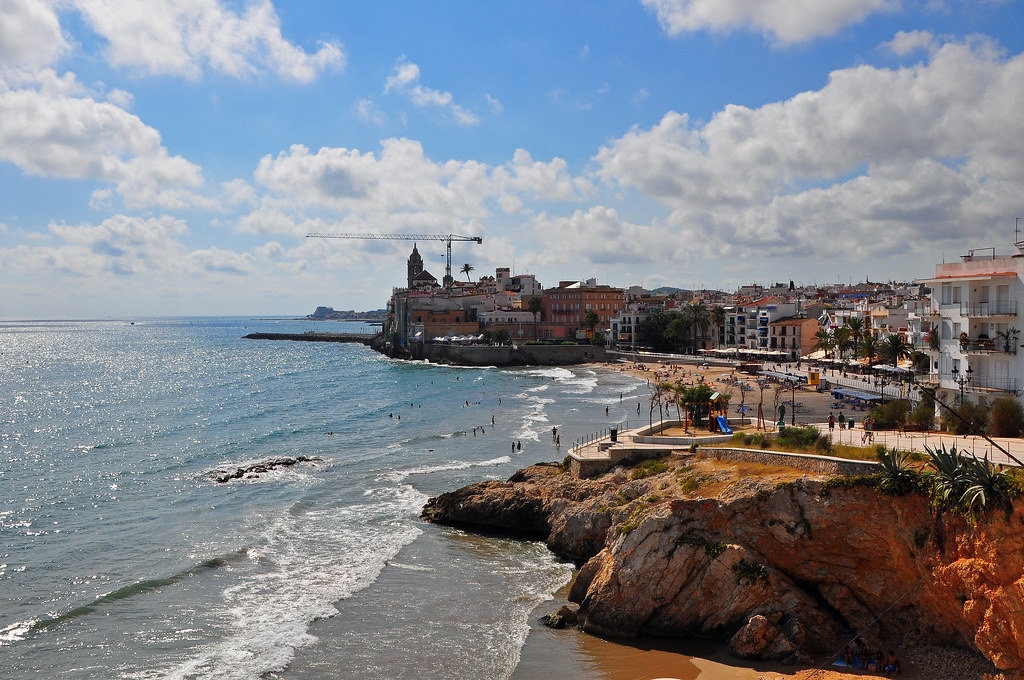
(447, 238)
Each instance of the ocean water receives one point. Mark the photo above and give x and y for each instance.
(120, 555)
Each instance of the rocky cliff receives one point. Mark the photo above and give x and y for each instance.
(781, 564)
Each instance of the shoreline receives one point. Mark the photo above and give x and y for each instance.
(582, 656)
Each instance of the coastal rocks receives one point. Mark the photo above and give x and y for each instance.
(780, 565)
(256, 469)
(762, 639)
(564, 618)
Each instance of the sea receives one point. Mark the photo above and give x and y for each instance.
(122, 556)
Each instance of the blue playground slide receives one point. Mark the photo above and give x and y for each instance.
(724, 426)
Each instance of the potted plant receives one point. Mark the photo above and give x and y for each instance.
(932, 338)
(1009, 338)
(965, 340)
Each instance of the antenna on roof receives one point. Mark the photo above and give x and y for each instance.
(1016, 230)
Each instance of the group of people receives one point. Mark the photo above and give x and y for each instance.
(848, 423)
(859, 656)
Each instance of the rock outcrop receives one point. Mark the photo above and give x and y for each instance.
(779, 564)
(257, 469)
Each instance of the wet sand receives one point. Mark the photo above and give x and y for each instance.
(571, 654)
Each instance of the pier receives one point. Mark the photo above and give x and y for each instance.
(311, 336)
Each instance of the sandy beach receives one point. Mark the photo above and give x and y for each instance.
(571, 654)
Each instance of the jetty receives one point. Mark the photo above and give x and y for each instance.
(311, 336)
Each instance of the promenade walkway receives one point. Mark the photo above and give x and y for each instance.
(916, 441)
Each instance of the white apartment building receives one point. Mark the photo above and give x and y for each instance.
(974, 306)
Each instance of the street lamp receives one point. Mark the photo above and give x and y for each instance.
(962, 381)
(792, 414)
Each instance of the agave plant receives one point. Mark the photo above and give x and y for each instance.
(949, 482)
(969, 484)
(898, 477)
(986, 488)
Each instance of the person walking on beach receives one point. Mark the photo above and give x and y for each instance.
(831, 422)
(842, 420)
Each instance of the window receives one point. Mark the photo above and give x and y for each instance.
(957, 292)
(947, 293)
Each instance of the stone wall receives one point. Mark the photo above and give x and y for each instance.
(525, 355)
(825, 465)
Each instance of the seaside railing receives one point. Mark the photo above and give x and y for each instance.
(603, 433)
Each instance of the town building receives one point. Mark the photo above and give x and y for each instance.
(973, 313)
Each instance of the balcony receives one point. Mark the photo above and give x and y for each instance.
(985, 346)
(989, 309)
(994, 384)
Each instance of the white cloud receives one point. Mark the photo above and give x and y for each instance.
(184, 37)
(406, 80)
(122, 245)
(600, 236)
(494, 104)
(30, 35)
(907, 42)
(79, 138)
(368, 112)
(877, 160)
(787, 21)
(400, 184)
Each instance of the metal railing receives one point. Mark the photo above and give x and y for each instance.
(603, 433)
(1001, 308)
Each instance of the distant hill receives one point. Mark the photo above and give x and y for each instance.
(331, 314)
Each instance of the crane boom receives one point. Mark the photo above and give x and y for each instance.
(447, 238)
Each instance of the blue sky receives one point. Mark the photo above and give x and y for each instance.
(168, 157)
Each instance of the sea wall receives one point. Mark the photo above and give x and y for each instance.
(524, 355)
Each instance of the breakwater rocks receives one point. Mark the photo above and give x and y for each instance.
(780, 563)
(310, 336)
(257, 469)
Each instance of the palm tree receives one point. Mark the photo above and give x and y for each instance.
(718, 318)
(894, 348)
(677, 330)
(869, 349)
(856, 326)
(590, 319)
(824, 340)
(699, 317)
(534, 305)
(1008, 338)
(466, 269)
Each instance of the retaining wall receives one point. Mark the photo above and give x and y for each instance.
(825, 465)
(526, 355)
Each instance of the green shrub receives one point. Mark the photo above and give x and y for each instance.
(799, 437)
(649, 468)
(689, 481)
(712, 548)
(891, 415)
(973, 419)
(633, 521)
(923, 416)
(1007, 418)
(747, 572)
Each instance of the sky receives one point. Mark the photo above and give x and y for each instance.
(169, 157)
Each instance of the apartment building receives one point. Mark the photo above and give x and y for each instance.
(973, 311)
